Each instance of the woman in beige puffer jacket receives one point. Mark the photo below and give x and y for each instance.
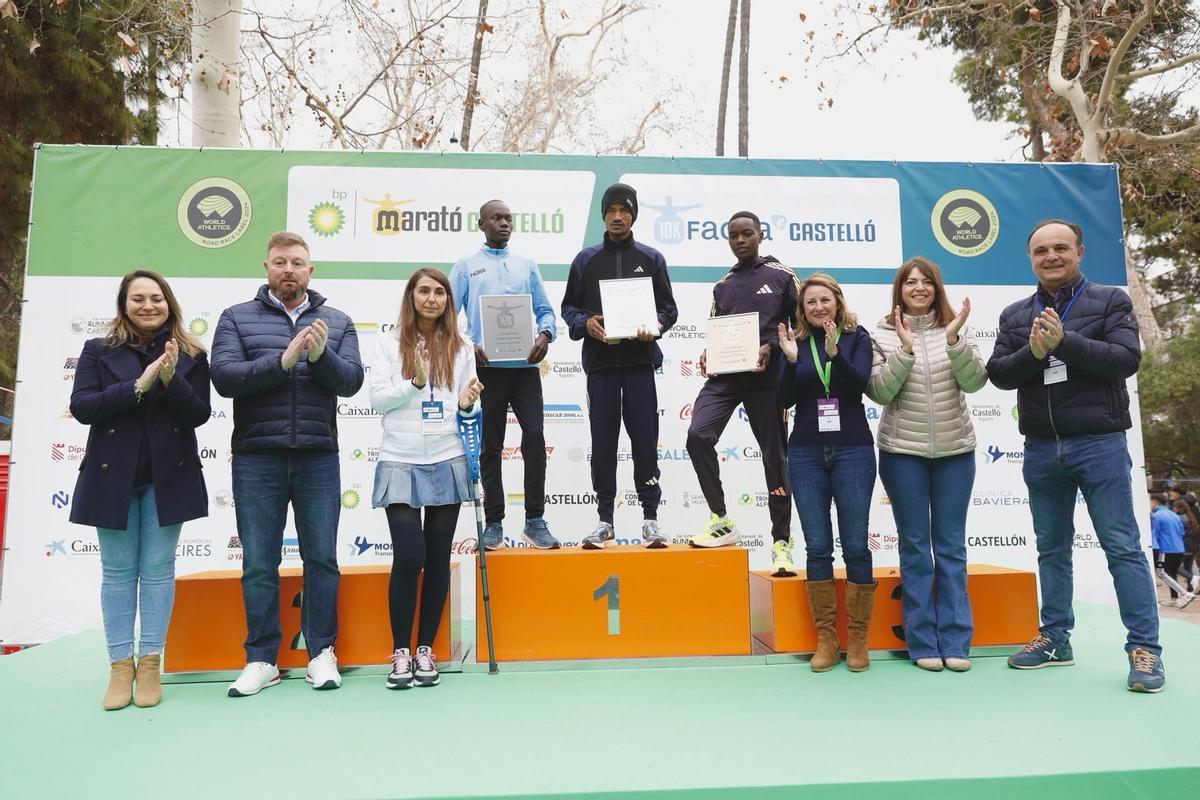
(925, 363)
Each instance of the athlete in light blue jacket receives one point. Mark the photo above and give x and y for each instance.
(495, 270)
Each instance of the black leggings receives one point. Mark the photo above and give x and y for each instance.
(1170, 565)
(415, 548)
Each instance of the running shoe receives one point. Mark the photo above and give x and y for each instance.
(720, 532)
(598, 538)
(426, 673)
(537, 533)
(781, 559)
(401, 676)
(651, 536)
(1042, 652)
(1146, 673)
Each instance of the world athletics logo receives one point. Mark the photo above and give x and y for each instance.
(214, 212)
(965, 223)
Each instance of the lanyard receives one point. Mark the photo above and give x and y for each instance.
(824, 371)
(1063, 316)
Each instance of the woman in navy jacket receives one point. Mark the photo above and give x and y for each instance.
(143, 389)
(831, 457)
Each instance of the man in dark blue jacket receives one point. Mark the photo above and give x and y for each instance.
(1068, 350)
(620, 375)
(284, 358)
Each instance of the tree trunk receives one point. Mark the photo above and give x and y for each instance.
(464, 137)
(1143, 310)
(723, 103)
(744, 84)
(216, 90)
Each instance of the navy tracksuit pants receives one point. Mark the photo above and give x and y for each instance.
(710, 414)
(627, 393)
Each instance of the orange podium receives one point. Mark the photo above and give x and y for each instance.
(1003, 604)
(620, 602)
(208, 623)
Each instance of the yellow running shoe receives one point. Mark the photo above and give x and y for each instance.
(781, 559)
(720, 532)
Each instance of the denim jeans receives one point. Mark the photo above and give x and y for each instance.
(263, 485)
(139, 560)
(929, 499)
(844, 474)
(1098, 466)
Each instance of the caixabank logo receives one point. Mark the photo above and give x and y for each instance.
(965, 223)
(72, 547)
(214, 212)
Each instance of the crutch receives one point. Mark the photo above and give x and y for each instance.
(469, 430)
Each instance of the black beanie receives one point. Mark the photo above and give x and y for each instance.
(620, 193)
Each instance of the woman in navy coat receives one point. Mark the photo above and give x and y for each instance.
(143, 389)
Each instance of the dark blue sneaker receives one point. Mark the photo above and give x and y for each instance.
(1042, 652)
(493, 536)
(537, 533)
(1146, 672)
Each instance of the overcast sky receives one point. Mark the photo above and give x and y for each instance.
(900, 104)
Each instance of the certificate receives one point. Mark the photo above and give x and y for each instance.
(628, 304)
(732, 344)
(506, 326)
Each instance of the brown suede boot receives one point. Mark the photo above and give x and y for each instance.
(120, 685)
(148, 691)
(859, 599)
(822, 601)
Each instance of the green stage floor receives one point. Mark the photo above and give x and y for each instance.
(743, 731)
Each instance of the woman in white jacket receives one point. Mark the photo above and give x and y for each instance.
(422, 378)
(925, 363)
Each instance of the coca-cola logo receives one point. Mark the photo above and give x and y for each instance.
(465, 547)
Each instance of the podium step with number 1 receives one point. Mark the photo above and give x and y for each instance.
(620, 602)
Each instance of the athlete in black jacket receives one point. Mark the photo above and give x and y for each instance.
(620, 376)
(756, 284)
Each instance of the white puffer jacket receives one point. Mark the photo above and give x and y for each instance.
(925, 409)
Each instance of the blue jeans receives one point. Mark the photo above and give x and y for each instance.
(137, 560)
(929, 499)
(1097, 466)
(263, 485)
(844, 474)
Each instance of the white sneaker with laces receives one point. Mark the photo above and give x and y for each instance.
(323, 671)
(1183, 601)
(256, 676)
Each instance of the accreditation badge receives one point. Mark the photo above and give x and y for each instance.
(1055, 372)
(432, 414)
(828, 420)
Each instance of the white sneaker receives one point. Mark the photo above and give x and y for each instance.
(256, 676)
(1183, 601)
(322, 670)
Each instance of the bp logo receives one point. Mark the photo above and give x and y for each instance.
(350, 499)
(214, 212)
(965, 223)
(325, 219)
(198, 326)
